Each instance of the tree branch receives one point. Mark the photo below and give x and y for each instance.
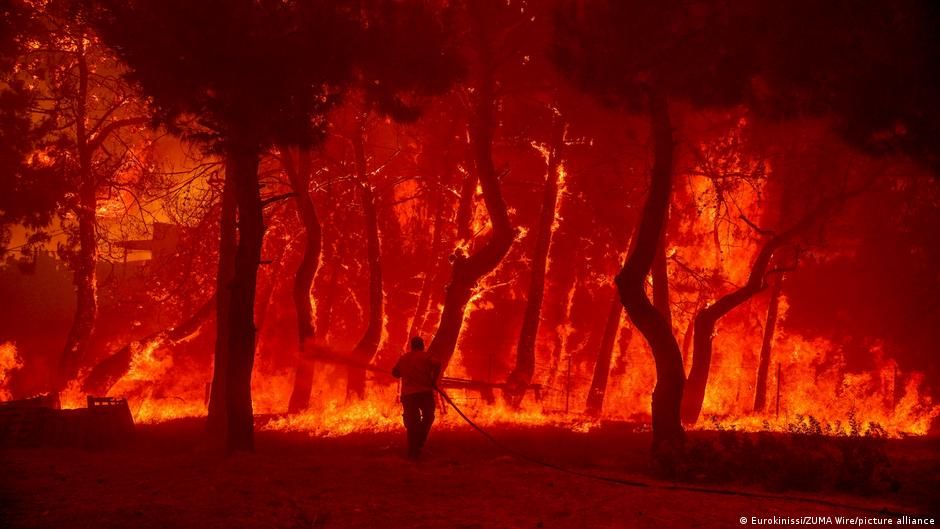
(99, 138)
(277, 198)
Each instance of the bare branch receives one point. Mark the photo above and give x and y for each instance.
(277, 198)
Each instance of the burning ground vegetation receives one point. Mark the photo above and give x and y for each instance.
(878, 404)
(708, 227)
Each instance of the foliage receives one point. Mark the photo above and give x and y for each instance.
(31, 188)
(867, 68)
(813, 455)
(269, 71)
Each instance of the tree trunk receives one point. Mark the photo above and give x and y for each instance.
(521, 375)
(660, 275)
(595, 399)
(707, 318)
(631, 284)
(228, 241)
(330, 290)
(465, 207)
(468, 270)
(619, 364)
(689, 331)
(760, 391)
(85, 273)
(268, 281)
(395, 274)
(369, 343)
(558, 314)
(299, 176)
(109, 370)
(433, 265)
(704, 330)
(240, 335)
(86, 290)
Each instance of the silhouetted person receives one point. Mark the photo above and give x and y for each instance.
(418, 372)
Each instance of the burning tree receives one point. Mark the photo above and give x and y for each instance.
(297, 165)
(482, 39)
(273, 54)
(722, 55)
(591, 37)
(363, 201)
(173, 54)
(88, 156)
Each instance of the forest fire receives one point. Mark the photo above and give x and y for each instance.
(700, 231)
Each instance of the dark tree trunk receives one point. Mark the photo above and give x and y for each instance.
(770, 326)
(228, 241)
(468, 270)
(521, 375)
(108, 371)
(85, 273)
(558, 314)
(299, 175)
(704, 330)
(303, 385)
(660, 275)
(86, 291)
(465, 207)
(269, 282)
(369, 343)
(240, 331)
(631, 284)
(619, 365)
(395, 275)
(595, 399)
(689, 331)
(707, 318)
(433, 265)
(331, 257)
(330, 290)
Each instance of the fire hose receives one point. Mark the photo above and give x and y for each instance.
(650, 485)
(653, 485)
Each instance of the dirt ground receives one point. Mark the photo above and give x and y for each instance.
(164, 480)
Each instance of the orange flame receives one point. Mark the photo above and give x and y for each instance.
(9, 362)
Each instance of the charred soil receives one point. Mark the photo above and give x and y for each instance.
(166, 479)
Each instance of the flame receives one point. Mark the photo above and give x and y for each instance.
(146, 364)
(815, 385)
(9, 362)
(480, 222)
(72, 396)
(543, 149)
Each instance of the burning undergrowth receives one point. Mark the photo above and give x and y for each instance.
(816, 397)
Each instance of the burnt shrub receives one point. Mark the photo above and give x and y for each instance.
(810, 456)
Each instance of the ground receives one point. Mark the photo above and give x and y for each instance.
(166, 480)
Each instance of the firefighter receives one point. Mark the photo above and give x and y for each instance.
(418, 371)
